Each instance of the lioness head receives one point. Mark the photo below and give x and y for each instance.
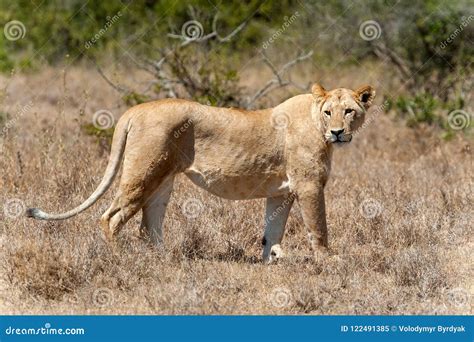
(340, 112)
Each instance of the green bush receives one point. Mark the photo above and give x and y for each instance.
(57, 28)
(425, 108)
(101, 134)
(417, 109)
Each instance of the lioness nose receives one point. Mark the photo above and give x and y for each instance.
(336, 132)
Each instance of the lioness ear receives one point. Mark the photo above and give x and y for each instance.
(366, 95)
(318, 92)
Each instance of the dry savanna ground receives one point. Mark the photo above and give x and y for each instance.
(399, 206)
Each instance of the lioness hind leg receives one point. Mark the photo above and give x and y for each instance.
(154, 212)
(276, 214)
(118, 214)
(137, 185)
(153, 154)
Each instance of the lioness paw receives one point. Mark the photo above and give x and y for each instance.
(276, 253)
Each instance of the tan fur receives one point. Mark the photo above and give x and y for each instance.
(280, 153)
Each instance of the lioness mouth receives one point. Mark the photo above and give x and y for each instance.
(345, 139)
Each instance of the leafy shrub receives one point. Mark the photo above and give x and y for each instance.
(426, 108)
(204, 80)
(57, 28)
(102, 135)
(417, 109)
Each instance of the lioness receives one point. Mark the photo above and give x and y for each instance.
(279, 153)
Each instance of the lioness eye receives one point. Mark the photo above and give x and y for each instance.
(348, 111)
(327, 112)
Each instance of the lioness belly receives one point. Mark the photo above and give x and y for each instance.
(238, 187)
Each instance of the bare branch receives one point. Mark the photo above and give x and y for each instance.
(174, 75)
(122, 90)
(215, 33)
(230, 35)
(277, 81)
(297, 60)
(383, 51)
(267, 61)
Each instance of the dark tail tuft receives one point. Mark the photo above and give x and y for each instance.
(32, 212)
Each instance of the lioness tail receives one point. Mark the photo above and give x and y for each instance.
(116, 154)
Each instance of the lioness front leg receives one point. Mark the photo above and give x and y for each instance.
(311, 201)
(276, 215)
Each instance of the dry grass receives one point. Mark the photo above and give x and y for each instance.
(414, 256)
